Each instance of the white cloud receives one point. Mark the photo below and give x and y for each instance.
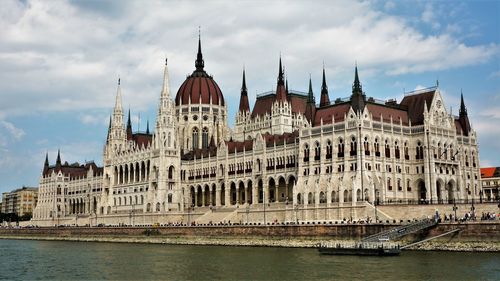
(16, 133)
(68, 55)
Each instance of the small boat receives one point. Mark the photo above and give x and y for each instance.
(359, 250)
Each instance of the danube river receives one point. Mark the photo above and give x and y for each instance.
(54, 260)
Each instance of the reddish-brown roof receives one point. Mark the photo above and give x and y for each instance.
(458, 127)
(75, 170)
(142, 139)
(287, 138)
(299, 103)
(239, 146)
(338, 112)
(263, 105)
(378, 110)
(415, 105)
(196, 86)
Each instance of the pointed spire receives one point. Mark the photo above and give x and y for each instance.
(280, 73)
(463, 109)
(147, 127)
(286, 85)
(166, 84)
(58, 160)
(129, 126)
(244, 106)
(356, 86)
(280, 88)
(118, 101)
(109, 130)
(325, 99)
(357, 98)
(46, 164)
(310, 95)
(199, 63)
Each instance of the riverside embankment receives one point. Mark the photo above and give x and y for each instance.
(474, 236)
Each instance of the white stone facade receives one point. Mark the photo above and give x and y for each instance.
(192, 163)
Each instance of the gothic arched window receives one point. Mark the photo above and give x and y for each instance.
(195, 138)
(204, 138)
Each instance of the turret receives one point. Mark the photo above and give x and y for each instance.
(358, 98)
(129, 127)
(311, 104)
(463, 118)
(58, 160)
(280, 88)
(199, 63)
(325, 99)
(244, 107)
(46, 164)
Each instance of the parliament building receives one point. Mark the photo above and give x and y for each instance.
(287, 159)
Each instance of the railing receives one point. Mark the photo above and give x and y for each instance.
(400, 231)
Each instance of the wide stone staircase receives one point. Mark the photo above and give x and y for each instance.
(400, 231)
(218, 215)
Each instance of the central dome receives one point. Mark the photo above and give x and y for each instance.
(199, 87)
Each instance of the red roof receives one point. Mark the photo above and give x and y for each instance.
(387, 112)
(488, 172)
(287, 138)
(263, 105)
(74, 170)
(239, 146)
(199, 85)
(336, 110)
(142, 139)
(415, 105)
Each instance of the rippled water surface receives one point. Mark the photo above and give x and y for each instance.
(47, 260)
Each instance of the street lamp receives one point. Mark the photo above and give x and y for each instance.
(455, 208)
(376, 203)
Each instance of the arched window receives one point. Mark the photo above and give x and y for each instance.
(317, 151)
(328, 149)
(169, 140)
(377, 148)
(389, 184)
(366, 146)
(353, 146)
(204, 138)
(195, 138)
(407, 155)
(387, 149)
(306, 153)
(341, 148)
(396, 149)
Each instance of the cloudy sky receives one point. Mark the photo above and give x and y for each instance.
(60, 62)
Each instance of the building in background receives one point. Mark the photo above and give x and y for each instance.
(490, 184)
(21, 201)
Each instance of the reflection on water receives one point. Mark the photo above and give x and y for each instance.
(42, 260)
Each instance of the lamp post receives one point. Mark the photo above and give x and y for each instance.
(376, 203)
(455, 208)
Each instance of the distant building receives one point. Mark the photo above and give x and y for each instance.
(490, 183)
(20, 201)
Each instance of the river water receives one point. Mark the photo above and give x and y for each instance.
(58, 260)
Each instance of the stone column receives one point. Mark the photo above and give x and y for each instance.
(217, 196)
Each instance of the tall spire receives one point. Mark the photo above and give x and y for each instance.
(358, 99)
(109, 130)
(199, 63)
(118, 101)
(165, 92)
(46, 164)
(325, 100)
(310, 94)
(129, 127)
(280, 88)
(286, 85)
(356, 86)
(280, 74)
(244, 107)
(58, 160)
(463, 109)
(147, 127)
